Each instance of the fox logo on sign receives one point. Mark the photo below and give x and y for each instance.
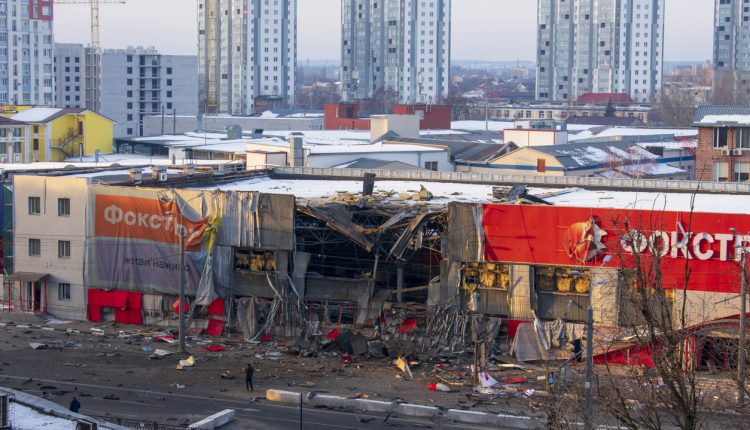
(583, 240)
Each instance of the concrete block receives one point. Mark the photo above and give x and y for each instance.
(409, 410)
(469, 417)
(283, 396)
(52, 329)
(373, 406)
(214, 421)
(517, 422)
(23, 326)
(334, 402)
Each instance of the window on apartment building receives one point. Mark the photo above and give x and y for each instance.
(741, 172)
(35, 144)
(63, 291)
(721, 171)
(541, 165)
(63, 207)
(63, 248)
(742, 138)
(431, 165)
(35, 205)
(720, 137)
(169, 70)
(35, 247)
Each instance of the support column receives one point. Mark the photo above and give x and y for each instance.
(400, 283)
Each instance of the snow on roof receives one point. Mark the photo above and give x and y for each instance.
(649, 169)
(716, 119)
(25, 418)
(680, 202)
(36, 114)
(372, 148)
(481, 125)
(633, 131)
(268, 114)
(446, 192)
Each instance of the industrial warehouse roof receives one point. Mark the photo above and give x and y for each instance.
(446, 192)
(370, 163)
(722, 116)
(462, 150)
(591, 155)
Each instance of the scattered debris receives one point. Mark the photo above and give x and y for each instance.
(403, 365)
(186, 364)
(159, 353)
(227, 375)
(35, 345)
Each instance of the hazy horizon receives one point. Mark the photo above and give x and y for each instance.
(507, 25)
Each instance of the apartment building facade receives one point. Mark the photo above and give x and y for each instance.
(396, 49)
(134, 83)
(723, 153)
(26, 52)
(247, 50)
(732, 43)
(600, 46)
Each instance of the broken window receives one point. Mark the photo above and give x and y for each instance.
(486, 275)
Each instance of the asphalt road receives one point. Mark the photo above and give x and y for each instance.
(173, 408)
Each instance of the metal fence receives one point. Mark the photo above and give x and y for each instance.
(655, 185)
(136, 424)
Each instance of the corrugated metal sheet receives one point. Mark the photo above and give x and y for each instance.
(493, 302)
(463, 237)
(521, 284)
(704, 111)
(255, 220)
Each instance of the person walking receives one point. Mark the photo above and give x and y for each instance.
(249, 371)
(75, 405)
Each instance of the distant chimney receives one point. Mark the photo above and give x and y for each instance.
(296, 150)
(234, 132)
(159, 173)
(136, 175)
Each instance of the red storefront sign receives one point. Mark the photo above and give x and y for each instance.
(709, 245)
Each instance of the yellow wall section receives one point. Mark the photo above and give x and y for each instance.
(527, 157)
(65, 137)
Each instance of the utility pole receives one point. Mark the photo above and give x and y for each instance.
(183, 348)
(589, 411)
(743, 323)
(743, 334)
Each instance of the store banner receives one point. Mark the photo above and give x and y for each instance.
(151, 219)
(134, 242)
(709, 246)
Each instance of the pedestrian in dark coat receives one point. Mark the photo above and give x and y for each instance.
(75, 405)
(249, 377)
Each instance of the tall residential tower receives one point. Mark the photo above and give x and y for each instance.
(247, 49)
(732, 44)
(600, 46)
(26, 52)
(396, 49)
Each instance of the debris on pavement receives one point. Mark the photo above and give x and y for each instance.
(36, 345)
(186, 364)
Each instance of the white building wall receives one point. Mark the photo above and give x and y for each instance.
(50, 228)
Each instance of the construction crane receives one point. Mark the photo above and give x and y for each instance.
(92, 77)
(94, 15)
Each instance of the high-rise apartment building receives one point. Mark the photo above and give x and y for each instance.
(26, 52)
(396, 49)
(600, 46)
(247, 49)
(732, 44)
(134, 83)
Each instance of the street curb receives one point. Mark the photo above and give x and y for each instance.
(324, 400)
(280, 396)
(402, 409)
(409, 410)
(373, 406)
(516, 422)
(469, 417)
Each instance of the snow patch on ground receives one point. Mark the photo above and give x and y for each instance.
(25, 418)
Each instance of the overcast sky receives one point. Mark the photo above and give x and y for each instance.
(482, 29)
